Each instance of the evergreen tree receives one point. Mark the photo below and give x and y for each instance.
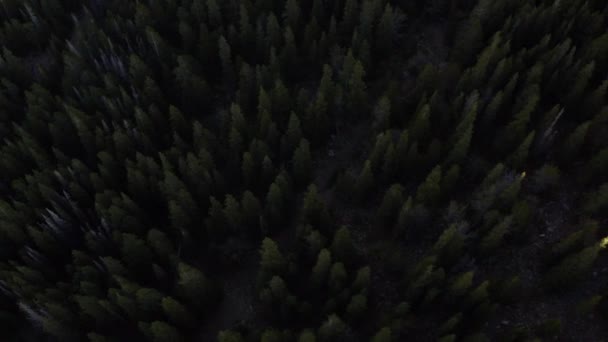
(307, 336)
(272, 261)
(519, 156)
(342, 247)
(391, 203)
(385, 32)
(302, 163)
(252, 209)
(292, 136)
(383, 335)
(362, 280)
(193, 286)
(229, 336)
(419, 126)
(315, 211)
(429, 191)
(572, 268)
(163, 332)
(321, 269)
(365, 182)
(292, 14)
(225, 55)
(574, 141)
(356, 307)
(149, 300)
(177, 313)
(357, 91)
(332, 329)
(494, 238)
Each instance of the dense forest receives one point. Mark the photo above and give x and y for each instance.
(303, 170)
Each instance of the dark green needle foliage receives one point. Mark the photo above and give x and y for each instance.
(283, 170)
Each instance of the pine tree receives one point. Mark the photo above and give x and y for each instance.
(450, 244)
(248, 169)
(382, 114)
(574, 141)
(342, 247)
(337, 277)
(321, 269)
(468, 42)
(281, 102)
(517, 127)
(302, 163)
(134, 251)
(349, 17)
(357, 91)
(215, 16)
(163, 332)
(291, 15)
(385, 32)
(247, 36)
(315, 211)
(272, 261)
(596, 201)
(273, 31)
(520, 155)
(420, 124)
(356, 307)
(193, 286)
(229, 336)
(148, 301)
(362, 280)
(252, 209)
(429, 191)
(383, 335)
(307, 336)
(177, 313)
(391, 203)
(332, 329)
(292, 136)
(365, 182)
(461, 139)
(225, 55)
(572, 268)
(494, 238)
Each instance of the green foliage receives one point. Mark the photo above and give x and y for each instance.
(337, 277)
(333, 328)
(307, 336)
(272, 261)
(321, 268)
(572, 268)
(229, 336)
(302, 164)
(163, 332)
(362, 279)
(356, 307)
(494, 238)
(429, 191)
(314, 210)
(144, 142)
(193, 286)
(596, 201)
(391, 203)
(383, 335)
(342, 247)
(461, 284)
(450, 244)
(177, 313)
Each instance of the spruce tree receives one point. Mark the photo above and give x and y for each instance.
(302, 163)
(272, 261)
(365, 182)
(429, 191)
